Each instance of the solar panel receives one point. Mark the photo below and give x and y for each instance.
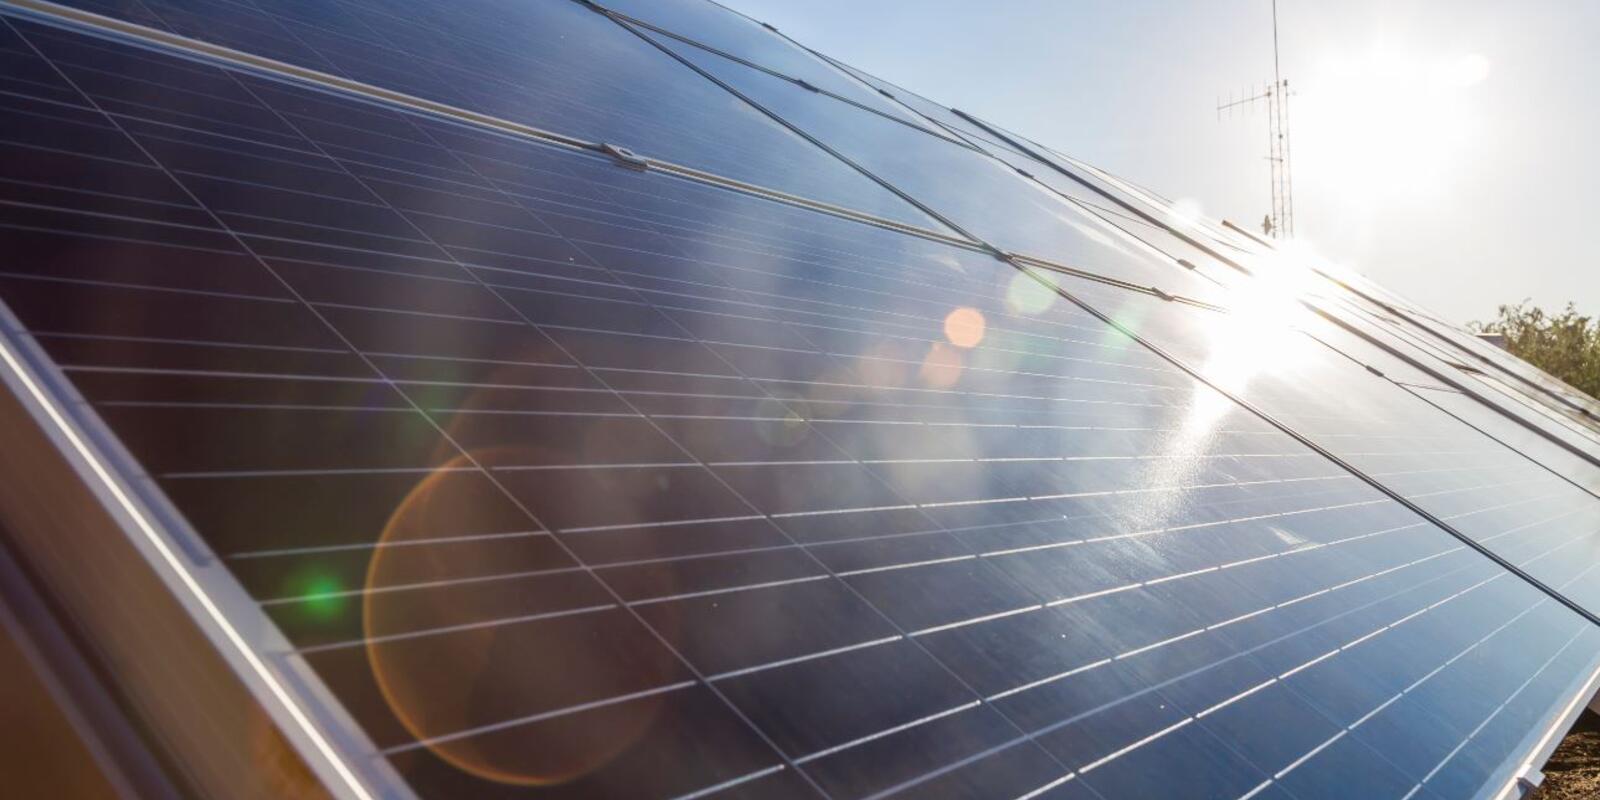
(533, 473)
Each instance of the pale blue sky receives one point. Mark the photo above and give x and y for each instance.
(1458, 187)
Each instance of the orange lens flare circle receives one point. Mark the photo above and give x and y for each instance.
(964, 327)
(447, 686)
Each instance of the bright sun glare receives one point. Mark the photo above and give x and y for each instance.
(1388, 124)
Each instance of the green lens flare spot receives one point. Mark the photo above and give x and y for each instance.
(1026, 295)
(321, 595)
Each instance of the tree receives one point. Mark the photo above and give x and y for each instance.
(1566, 345)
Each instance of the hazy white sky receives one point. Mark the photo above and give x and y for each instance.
(1444, 147)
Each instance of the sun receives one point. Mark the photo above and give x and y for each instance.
(1388, 124)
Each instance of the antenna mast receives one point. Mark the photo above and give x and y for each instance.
(1279, 221)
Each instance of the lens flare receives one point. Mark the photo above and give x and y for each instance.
(443, 687)
(942, 366)
(319, 593)
(964, 327)
(1026, 295)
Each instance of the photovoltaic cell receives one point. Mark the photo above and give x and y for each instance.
(744, 39)
(564, 479)
(553, 65)
(1354, 298)
(1388, 432)
(977, 193)
(1537, 407)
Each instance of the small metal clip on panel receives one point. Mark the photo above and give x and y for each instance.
(624, 156)
(1024, 173)
(769, 27)
(1186, 263)
(804, 84)
(1528, 779)
(1161, 294)
(1374, 370)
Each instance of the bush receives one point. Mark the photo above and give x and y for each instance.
(1566, 345)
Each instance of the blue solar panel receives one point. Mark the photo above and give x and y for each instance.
(547, 476)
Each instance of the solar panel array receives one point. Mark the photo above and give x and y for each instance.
(855, 448)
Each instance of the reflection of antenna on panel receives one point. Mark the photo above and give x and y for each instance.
(1279, 223)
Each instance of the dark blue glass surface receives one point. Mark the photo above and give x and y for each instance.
(1440, 462)
(975, 192)
(712, 26)
(551, 64)
(569, 480)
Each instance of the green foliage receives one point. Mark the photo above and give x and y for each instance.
(1566, 345)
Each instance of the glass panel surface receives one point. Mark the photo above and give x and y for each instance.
(1436, 461)
(706, 23)
(977, 193)
(551, 64)
(928, 108)
(1536, 412)
(567, 480)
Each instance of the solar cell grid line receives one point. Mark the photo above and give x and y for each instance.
(1576, 429)
(1173, 680)
(125, 498)
(1551, 421)
(469, 459)
(1406, 331)
(1573, 438)
(1170, 227)
(757, 48)
(1248, 692)
(646, 599)
(1035, 223)
(1476, 351)
(753, 773)
(823, 565)
(1158, 233)
(1372, 332)
(927, 109)
(836, 542)
(482, 30)
(1481, 726)
(1371, 398)
(1579, 629)
(59, 14)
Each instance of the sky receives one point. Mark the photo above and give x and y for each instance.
(1445, 148)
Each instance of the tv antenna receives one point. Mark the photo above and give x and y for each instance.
(1279, 222)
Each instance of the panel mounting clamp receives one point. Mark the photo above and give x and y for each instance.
(624, 156)
(1528, 778)
(1186, 263)
(807, 85)
(1374, 370)
(1156, 290)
